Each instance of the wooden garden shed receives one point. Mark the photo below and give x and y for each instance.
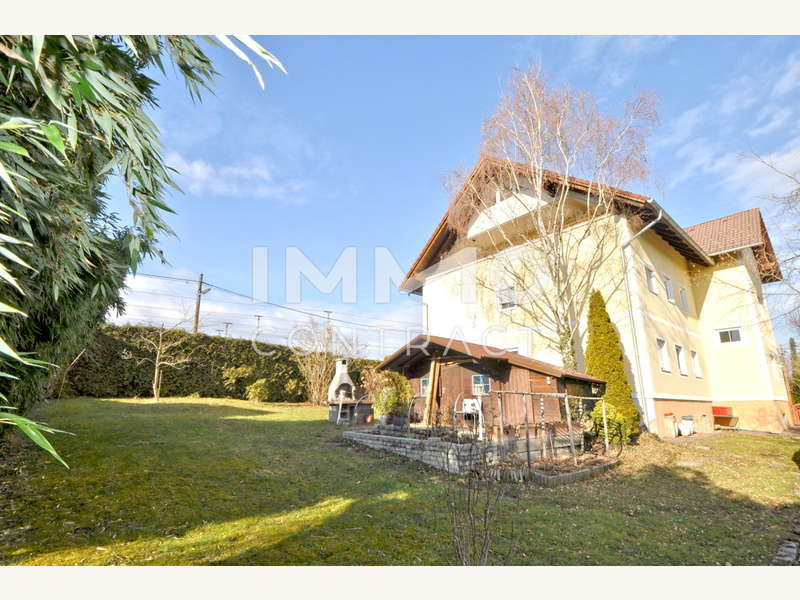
(448, 376)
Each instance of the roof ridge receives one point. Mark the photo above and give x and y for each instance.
(755, 208)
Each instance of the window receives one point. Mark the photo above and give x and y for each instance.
(732, 335)
(423, 386)
(668, 289)
(663, 355)
(481, 385)
(650, 275)
(698, 372)
(679, 355)
(507, 296)
(684, 299)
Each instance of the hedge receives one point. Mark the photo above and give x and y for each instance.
(220, 367)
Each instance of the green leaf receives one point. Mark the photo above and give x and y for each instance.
(5, 308)
(15, 148)
(34, 431)
(5, 176)
(54, 137)
(38, 43)
(72, 133)
(13, 257)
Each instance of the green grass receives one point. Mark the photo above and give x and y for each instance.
(204, 481)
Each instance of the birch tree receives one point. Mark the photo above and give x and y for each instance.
(167, 350)
(554, 164)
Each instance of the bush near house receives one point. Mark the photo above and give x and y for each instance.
(605, 359)
(394, 395)
(220, 367)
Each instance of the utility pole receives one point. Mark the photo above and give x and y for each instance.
(227, 327)
(327, 340)
(200, 292)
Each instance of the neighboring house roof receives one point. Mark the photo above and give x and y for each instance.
(444, 236)
(439, 346)
(738, 231)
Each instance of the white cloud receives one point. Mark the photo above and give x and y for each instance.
(790, 76)
(684, 126)
(615, 58)
(771, 119)
(251, 178)
(750, 176)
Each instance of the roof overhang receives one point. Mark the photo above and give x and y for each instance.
(424, 347)
(445, 236)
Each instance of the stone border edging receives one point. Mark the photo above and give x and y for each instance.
(789, 550)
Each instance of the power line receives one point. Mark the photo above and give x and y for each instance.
(275, 304)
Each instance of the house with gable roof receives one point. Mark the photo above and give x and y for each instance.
(688, 304)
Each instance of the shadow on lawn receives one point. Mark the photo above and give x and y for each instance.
(216, 484)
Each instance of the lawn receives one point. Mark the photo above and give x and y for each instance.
(205, 481)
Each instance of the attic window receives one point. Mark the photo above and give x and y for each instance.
(728, 336)
(507, 297)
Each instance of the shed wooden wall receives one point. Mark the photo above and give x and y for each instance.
(456, 384)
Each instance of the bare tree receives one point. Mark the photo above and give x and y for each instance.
(471, 500)
(549, 232)
(168, 347)
(787, 266)
(316, 347)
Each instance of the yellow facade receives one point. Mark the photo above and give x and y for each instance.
(663, 307)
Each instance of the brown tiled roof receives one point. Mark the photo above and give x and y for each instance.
(440, 346)
(731, 232)
(444, 235)
(740, 230)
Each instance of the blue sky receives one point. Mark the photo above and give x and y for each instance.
(352, 147)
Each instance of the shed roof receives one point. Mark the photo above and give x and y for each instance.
(431, 345)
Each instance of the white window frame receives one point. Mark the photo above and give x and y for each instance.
(663, 355)
(683, 295)
(650, 279)
(507, 294)
(486, 385)
(669, 289)
(680, 358)
(696, 367)
(423, 383)
(723, 329)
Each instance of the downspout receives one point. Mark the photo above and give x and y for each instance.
(639, 376)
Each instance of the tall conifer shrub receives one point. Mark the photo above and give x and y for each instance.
(605, 359)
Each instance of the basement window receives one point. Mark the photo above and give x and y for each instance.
(481, 385)
(729, 336)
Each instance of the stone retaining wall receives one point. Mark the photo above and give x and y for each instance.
(460, 458)
(448, 456)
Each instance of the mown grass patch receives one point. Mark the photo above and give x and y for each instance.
(207, 481)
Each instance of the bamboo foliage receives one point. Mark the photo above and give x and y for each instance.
(73, 112)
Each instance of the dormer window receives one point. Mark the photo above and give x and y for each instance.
(507, 297)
